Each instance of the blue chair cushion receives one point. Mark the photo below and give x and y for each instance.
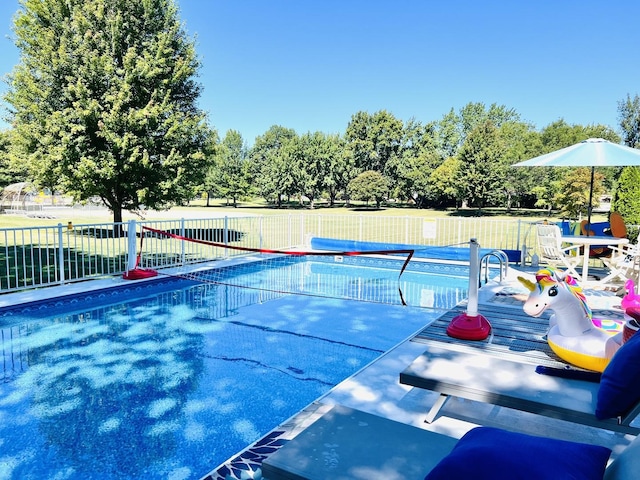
(487, 453)
(565, 227)
(620, 382)
(598, 228)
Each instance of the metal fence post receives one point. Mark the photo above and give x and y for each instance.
(225, 236)
(61, 254)
(406, 230)
(183, 254)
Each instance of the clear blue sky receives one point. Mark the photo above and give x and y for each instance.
(311, 64)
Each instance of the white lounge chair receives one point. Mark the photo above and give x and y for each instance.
(553, 252)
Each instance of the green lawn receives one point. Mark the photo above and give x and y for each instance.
(218, 208)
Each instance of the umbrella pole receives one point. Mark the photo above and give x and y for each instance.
(590, 199)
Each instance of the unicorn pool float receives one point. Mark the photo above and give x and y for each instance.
(574, 335)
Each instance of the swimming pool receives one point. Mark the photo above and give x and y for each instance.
(168, 379)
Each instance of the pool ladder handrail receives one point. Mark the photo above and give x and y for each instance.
(484, 265)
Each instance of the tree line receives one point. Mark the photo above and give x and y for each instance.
(463, 159)
(104, 104)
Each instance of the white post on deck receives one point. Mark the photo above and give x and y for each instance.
(471, 325)
(132, 255)
(474, 275)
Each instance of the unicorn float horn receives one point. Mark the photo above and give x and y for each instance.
(527, 283)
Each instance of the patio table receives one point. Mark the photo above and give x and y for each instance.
(589, 241)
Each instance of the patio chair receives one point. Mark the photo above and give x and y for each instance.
(615, 227)
(599, 229)
(553, 252)
(618, 227)
(623, 263)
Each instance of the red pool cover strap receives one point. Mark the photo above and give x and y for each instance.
(408, 252)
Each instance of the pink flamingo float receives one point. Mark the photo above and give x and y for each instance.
(631, 299)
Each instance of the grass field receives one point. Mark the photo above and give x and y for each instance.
(219, 208)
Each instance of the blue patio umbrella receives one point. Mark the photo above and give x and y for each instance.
(593, 152)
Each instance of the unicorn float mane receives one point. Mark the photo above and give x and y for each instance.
(548, 277)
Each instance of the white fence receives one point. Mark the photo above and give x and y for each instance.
(42, 256)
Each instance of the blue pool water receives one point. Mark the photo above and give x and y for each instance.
(168, 379)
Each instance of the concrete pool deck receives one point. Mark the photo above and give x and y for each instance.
(376, 389)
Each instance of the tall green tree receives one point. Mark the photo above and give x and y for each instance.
(268, 168)
(483, 166)
(412, 177)
(210, 186)
(231, 174)
(369, 185)
(629, 116)
(374, 139)
(11, 169)
(474, 114)
(453, 128)
(445, 184)
(521, 142)
(573, 194)
(341, 169)
(449, 134)
(409, 170)
(292, 169)
(626, 199)
(105, 100)
(313, 164)
(627, 194)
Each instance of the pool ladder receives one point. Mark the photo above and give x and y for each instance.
(484, 265)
